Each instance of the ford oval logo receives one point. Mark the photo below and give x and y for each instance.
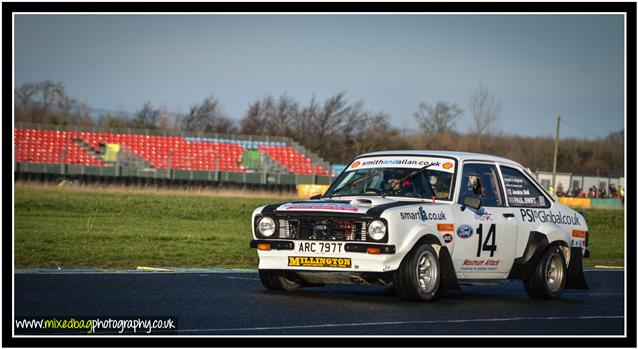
(464, 231)
(320, 228)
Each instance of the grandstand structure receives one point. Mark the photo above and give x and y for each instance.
(130, 153)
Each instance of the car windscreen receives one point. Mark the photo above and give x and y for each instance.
(413, 177)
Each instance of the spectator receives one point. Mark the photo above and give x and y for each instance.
(559, 190)
(613, 192)
(576, 192)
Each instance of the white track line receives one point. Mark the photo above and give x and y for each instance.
(425, 322)
(240, 278)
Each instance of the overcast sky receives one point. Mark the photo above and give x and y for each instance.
(539, 66)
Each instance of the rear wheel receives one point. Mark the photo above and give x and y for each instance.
(419, 275)
(276, 280)
(548, 278)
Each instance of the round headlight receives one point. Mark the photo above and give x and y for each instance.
(266, 226)
(377, 230)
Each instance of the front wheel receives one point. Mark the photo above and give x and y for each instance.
(419, 275)
(276, 280)
(548, 278)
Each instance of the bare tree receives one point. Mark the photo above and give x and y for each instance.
(335, 128)
(47, 102)
(485, 110)
(252, 122)
(208, 117)
(617, 137)
(304, 121)
(147, 117)
(373, 133)
(271, 117)
(285, 113)
(118, 119)
(166, 120)
(438, 118)
(333, 116)
(78, 114)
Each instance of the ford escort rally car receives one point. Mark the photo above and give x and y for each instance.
(422, 221)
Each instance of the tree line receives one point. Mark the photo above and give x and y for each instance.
(338, 129)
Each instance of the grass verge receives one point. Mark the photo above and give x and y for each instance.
(88, 227)
(63, 227)
(606, 237)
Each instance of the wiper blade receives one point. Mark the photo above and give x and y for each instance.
(414, 173)
(383, 192)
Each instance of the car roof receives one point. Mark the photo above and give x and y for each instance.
(459, 155)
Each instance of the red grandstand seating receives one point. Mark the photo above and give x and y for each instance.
(54, 147)
(294, 161)
(42, 146)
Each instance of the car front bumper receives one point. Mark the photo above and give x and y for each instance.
(354, 256)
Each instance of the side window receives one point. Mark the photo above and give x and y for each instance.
(481, 181)
(520, 191)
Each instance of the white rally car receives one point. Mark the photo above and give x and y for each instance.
(422, 221)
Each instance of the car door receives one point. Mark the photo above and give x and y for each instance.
(485, 238)
(525, 199)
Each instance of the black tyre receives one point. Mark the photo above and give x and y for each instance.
(276, 280)
(548, 278)
(419, 275)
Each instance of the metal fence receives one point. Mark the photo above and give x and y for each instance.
(88, 172)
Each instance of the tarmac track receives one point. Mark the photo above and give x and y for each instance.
(236, 304)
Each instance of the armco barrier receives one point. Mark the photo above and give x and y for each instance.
(90, 173)
(606, 203)
(305, 191)
(591, 202)
(575, 202)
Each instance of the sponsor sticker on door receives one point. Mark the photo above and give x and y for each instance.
(445, 227)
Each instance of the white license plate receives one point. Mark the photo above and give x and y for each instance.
(320, 247)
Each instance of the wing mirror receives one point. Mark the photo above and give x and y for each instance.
(474, 203)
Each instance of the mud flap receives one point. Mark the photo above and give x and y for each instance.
(524, 265)
(448, 275)
(575, 275)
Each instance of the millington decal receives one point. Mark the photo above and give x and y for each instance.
(330, 262)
